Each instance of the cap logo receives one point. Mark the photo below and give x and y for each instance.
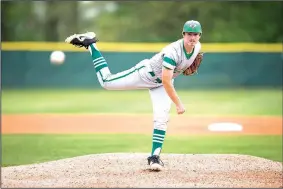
(193, 25)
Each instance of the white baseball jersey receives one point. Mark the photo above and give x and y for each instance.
(174, 57)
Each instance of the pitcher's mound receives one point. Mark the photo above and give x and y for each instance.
(131, 170)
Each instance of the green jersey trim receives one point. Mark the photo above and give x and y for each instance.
(188, 56)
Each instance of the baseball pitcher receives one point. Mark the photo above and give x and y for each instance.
(155, 74)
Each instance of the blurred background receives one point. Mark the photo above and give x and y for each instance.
(241, 73)
(242, 40)
(141, 21)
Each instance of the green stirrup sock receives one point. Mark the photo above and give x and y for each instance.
(98, 60)
(157, 141)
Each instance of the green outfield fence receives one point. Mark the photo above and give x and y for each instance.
(27, 65)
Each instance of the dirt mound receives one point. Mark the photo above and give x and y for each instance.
(131, 170)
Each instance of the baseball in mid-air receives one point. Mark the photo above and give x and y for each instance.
(57, 57)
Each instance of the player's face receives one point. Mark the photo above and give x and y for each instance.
(191, 38)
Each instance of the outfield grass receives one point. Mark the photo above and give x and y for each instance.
(27, 149)
(200, 102)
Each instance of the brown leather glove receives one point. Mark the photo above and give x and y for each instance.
(194, 66)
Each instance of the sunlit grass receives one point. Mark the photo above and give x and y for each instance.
(201, 102)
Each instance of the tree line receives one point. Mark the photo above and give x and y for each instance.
(142, 21)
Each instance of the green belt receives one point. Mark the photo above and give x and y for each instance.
(157, 79)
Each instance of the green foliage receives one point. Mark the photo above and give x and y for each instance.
(27, 149)
(221, 21)
(38, 21)
(199, 102)
(18, 21)
(143, 21)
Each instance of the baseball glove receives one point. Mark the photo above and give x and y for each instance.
(194, 66)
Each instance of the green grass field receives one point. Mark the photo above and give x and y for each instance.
(26, 149)
(204, 102)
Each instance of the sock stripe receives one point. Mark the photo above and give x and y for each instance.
(157, 141)
(100, 58)
(158, 138)
(95, 64)
(97, 69)
(99, 64)
(158, 135)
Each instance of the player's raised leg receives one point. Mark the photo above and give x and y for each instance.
(161, 103)
(125, 80)
(128, 79)
(88, 40)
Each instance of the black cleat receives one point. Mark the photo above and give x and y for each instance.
(155, 163)
(82, 40)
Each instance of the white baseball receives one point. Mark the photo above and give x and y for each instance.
(57, 57)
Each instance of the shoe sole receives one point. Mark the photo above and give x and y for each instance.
(89, 34)
(155, 167)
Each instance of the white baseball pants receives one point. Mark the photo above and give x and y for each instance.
(139, 77)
